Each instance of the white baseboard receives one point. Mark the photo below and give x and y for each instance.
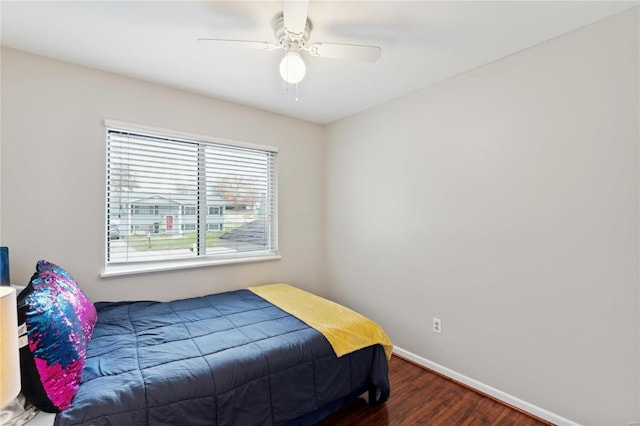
(486, 389)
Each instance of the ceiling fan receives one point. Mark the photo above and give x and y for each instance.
(292, 30)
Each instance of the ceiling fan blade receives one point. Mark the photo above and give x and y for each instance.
(295, 15)
(354, 52)
(248, 44)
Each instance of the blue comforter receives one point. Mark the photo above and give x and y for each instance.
(225, 359)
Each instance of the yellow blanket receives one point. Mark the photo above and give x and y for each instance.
(346, 330)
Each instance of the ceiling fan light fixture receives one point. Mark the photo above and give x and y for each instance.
(292, 68)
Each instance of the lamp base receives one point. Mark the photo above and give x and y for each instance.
(17, 412)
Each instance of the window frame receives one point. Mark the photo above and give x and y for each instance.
(115, 269)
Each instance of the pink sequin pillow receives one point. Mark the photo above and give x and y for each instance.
(59, 320)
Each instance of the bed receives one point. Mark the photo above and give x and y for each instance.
(231, 358)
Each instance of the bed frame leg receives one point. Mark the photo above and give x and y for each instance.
(375, 396)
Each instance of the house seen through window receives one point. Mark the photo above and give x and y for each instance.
(171, 198)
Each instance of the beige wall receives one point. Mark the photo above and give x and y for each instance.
(504, 201)
(53, 176)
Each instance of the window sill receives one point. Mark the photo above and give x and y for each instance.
(118, 270)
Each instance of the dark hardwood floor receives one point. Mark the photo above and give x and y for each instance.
(422, 397)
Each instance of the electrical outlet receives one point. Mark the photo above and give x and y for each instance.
(437, 325)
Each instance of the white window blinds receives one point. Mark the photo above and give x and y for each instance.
(172, 197)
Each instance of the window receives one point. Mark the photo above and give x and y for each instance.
(179, 198)
(189, 210)
(145, 210)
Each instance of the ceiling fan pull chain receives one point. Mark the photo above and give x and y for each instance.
(296, 92)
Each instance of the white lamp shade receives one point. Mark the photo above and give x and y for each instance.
(9, 355)
(292, 68)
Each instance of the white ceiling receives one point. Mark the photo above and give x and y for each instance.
(423, 42)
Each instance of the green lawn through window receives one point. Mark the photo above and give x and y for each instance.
(167, 242)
